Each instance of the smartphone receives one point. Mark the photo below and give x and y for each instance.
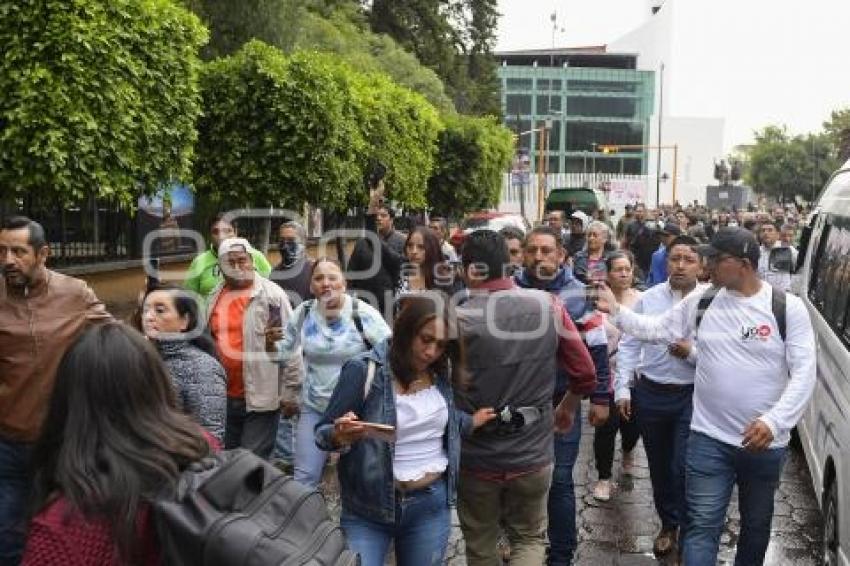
(153, 273)
(378, 431)
(275, 318)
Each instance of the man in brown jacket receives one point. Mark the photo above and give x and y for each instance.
(41, 313)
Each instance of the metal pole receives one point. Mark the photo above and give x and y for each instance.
(541, 140)
(660, 116)
(675, 169)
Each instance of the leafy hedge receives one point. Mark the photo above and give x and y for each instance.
(96, 97)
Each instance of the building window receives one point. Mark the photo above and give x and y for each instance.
(581, 135)
(602, 86)
(549, 84)
(543, 104)
(519, 84)
(518, 104)
(601, 107)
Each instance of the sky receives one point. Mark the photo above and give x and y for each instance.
(782, 61)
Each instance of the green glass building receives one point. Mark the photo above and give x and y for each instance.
(587, 98)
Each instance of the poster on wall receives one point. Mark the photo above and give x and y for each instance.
(172, 207)
(626, 191)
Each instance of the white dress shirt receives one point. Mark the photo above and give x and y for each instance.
(652, 358)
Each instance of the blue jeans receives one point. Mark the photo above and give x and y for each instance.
(14, 490)
(421, 530)
(713, 468)
(284, 446)
(309, 458)
(664, 420)
(562, 497)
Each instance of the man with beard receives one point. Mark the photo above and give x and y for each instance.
(41, 313)
(544, 270)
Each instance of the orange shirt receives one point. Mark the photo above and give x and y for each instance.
(226, 325)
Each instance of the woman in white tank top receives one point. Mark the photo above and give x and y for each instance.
(398, 480)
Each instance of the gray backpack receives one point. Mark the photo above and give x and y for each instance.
(236, 509)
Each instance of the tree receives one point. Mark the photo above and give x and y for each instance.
(473, 157)
(98, 98)
(785, 166)
(838, 130)
(276, 130)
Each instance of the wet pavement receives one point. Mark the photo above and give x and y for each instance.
(621, 531)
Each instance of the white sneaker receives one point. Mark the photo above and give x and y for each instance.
(628, 463)
(602, 490)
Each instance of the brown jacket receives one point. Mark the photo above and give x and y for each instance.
(35, 331)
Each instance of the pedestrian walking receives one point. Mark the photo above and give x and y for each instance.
(293, 275)
(41, 313)
(399, 490)
(329, 330)
(620, 278)
(516, 339)
(170, 318)
(654, 388)
(112, 440)
(740, 427)
(204, 274)
(241, 309)
(375, 272)
(544, 269)
(425, 268)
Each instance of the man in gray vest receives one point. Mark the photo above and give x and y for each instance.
(515, 339)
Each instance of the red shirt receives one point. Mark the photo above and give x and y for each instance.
(226, 325)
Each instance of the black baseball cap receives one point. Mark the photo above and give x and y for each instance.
(733, 241)
(671, 229)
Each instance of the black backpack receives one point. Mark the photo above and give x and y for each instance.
(236, 509)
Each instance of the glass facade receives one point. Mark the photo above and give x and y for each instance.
(586, 108)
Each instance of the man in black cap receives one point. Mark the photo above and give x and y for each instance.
(755, 373)
(658, 266)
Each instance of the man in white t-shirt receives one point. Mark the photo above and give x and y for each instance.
(751, 387)
(770, 240)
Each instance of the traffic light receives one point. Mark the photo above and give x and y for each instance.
(610, 149)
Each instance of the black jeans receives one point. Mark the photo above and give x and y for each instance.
(604, 439)
(252, 430)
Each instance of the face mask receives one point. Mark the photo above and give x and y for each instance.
(289, 251)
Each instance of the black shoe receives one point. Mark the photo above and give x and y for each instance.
(665, 542)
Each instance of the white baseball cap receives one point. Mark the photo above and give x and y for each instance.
(234, 245)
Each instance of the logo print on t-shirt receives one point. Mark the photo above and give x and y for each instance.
(760, 332)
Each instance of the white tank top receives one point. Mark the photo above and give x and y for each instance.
(421, 420)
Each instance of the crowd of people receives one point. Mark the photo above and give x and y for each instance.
(442, 378)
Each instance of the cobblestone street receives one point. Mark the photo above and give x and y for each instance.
(621, 532)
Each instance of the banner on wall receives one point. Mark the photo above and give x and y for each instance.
(625, 191)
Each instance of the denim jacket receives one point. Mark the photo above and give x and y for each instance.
(366, 468)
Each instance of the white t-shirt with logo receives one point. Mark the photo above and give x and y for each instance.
(744, 370)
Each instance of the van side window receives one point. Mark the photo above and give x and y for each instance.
(830, 287)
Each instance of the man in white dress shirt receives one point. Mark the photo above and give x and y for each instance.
(754, 377)
(663, 373)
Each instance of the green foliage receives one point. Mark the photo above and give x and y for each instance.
(455, 38)
(474, 155)
(288, 130)
(782, 165)
(97, 97)
(838, 130)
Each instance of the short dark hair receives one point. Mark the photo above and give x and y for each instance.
(685, 240)
(36, 238)
(545, 231)
(390, 210)
(222, 217)
(487, 248)
(512, 233)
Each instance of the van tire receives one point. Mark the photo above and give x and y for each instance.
(829, 554)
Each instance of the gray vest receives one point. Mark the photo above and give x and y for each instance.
(517, 369)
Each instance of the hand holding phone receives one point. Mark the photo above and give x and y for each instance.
(275, 317)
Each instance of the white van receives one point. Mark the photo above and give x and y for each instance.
(824, 286)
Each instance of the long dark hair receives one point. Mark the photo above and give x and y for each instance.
(417, 311)
(186, 305)
(433, 254)
(113, 436)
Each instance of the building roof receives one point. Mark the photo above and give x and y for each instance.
(592, 56)
(590, 49)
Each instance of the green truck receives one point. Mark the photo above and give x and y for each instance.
(570, 199)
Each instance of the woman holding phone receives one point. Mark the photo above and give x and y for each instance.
(401, 490)
(330, 329)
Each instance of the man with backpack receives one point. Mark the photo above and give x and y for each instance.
(755, 373)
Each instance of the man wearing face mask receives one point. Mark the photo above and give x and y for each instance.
(293, 271)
